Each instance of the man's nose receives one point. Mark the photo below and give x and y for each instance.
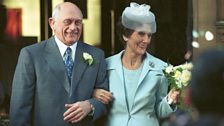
(73, 26)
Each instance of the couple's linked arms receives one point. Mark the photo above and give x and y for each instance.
(77, 111)
(106, 96)
(103, 96)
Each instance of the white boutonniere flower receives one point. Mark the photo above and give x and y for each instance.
(88, 58)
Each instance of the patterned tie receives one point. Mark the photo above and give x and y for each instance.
(68, 63)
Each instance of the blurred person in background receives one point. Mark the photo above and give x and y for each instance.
(206, 91)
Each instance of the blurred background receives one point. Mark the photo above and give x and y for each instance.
(182, 25)
(185, 28)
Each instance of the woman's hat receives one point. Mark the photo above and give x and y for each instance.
(139, 17)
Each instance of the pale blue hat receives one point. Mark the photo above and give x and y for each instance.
(139, 17)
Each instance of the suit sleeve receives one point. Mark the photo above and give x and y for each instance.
(102, 83)
(22, 91)
(163, 109)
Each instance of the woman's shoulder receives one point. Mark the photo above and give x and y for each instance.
(114, 61)
(114, 57)
(156, 61)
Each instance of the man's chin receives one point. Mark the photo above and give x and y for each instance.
(72, 40)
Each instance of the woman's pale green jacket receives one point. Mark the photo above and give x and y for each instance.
(150, 102)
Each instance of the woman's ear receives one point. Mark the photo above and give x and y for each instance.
(125, 38)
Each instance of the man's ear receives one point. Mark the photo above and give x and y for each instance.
(51, 22)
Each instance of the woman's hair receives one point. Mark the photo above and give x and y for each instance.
(123, 31)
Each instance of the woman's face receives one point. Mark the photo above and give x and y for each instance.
(138, 42)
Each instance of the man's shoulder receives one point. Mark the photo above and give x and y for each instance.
(36, 46)
(41, 44)
(90, 47)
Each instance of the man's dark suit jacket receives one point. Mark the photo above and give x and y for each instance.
(41, 87)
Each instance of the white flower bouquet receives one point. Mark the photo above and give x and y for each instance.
(178, 76)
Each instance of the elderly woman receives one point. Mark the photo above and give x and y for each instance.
(138, 87)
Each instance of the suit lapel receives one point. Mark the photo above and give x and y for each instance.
(148, 65)
(117, 66)
(145, 70)
(79, 66)
(55, 61)
(115, 63)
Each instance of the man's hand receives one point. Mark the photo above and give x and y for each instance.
(77, 111)
(102, 95)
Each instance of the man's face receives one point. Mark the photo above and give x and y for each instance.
(67, 25)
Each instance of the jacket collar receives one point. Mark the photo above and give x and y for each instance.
(150, 62)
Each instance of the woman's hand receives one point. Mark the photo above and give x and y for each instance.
(103, 95)
(173, 96)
